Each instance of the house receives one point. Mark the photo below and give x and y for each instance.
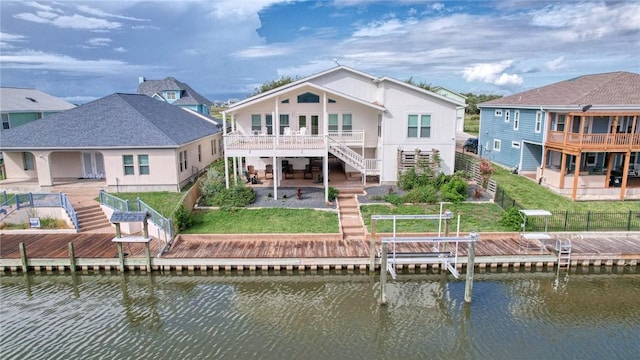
(372, 125)
(19, 106)
(579, 137)
(460, 111)
(124, 142)
(176, 93)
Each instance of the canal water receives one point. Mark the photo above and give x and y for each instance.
(300, 316)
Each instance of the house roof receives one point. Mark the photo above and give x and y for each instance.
(308, 79)
(188, 97)
(599, 90)
(114, 121)
(14, 100)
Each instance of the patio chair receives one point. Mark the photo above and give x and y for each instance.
(268, 171)
(308, 173)
(303, 131)
(251, 170)
(287, 131)
(288, 171)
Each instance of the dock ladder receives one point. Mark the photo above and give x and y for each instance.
(563, 247)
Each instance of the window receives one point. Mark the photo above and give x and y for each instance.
(285, 101)
(516, 120)
(127, 160)
(268, 118)
(346, 122)
(591, 159)
(308, 98)
(331, 101)
(284, 122)
(538, 126)
(507, 116)
(213, 147)
(5, 122)
(183, 160)
(302, 121)
(38, 116)
(28, 161)
(497, 144)
(419, 126)
(143, 164)
(199, 153)
(515, 145)
(379, 125)
(498, 113)
(171, 95)
(333, 122)
(255, 123)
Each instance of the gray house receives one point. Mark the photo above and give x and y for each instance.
(175, 92)
(19, 106)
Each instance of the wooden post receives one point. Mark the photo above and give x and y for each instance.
(383, 275)
(121, 256)
(148, 253)
(372, 248)
(72, 258)
(23, 256)
(468, 284)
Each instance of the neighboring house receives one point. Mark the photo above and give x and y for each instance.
(579, 137)
(127, 142)
(460, 110)
(176, 93)
(19, 106)
(369, 123)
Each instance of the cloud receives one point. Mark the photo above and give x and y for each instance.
(99, 42)
(492, 74)
(556, 63)
(262, 51)
(39, 6)
(437, 6)
(74, 21)
(120, 49)
(100, 13)
(39, 60)
(382, 28)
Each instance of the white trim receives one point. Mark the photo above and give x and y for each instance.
(515, 145)
(497, 113)
(507, 116)
(499, 143)
(516, 120)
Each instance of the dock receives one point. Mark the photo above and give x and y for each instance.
(288, 252)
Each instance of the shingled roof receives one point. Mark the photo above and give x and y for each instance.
(114, 121)
(16, 100)
(616, 89)
(188, 96)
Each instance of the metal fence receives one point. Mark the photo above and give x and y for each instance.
(31, 200)
(575, 220)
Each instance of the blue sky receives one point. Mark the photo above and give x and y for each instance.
(83, 50)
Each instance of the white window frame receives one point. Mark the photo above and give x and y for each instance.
(6, 121)
(498, 113)
(538, 125)
(131, 166)
(143, 167)
(420, 127)
(515, 144)
(497, 144)
(507, 115)
(516, 120)
(171, 95)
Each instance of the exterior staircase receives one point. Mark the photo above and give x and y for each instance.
(92, 219)
(351, 223)
(344, 153)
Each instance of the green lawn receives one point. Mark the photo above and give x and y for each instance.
(530, 195)
(473, 217)
(264, 221)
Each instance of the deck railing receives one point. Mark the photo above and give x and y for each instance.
(595, 140)
(31, 200)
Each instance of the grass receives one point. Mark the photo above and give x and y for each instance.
(163, 202)
(473, 217)
(472, 124)
(264, 221)
(530, 195)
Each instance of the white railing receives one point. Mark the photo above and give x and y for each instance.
(237, 141)
(354, 137)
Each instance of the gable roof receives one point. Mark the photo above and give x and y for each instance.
(114, 121)
(614, 89)
(15, 100)
(188, 96)
(308, 79)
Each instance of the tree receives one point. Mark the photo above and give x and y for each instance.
(269, 85)
(473, 100)
(421, 84)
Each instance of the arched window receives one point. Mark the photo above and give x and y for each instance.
(307, 98)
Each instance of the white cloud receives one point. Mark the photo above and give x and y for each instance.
(11, 37)
(39, 6)
(262, 51)
(120, 49)
(99, 42)
(492, 73)
(437, 6)
(555, 64)
(381, 28)
(100, 13)
(74, 21)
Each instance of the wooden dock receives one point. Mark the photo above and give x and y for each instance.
(50, 252)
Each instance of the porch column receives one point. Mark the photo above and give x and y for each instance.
(609, 168)
(226, 171)
(235, 170)
(625, 174)
(563, 165)
(276, 177)
(576, 173)
(325, 174)
(43, 168)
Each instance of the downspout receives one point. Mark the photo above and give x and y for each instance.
(224, 142)
(545, 125)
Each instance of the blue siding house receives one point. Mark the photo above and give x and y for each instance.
(579, 137)
(176, 93)
(19, 106)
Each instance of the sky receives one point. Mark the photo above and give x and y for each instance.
(84, 50)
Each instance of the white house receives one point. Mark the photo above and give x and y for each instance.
(367, 122)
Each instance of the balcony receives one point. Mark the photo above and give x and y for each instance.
(594, 141)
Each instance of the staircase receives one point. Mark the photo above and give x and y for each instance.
(344, 153)
(350, 219)
(91, 219)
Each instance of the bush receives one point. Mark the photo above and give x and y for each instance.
(215, 193)
(333, 193)
(410, 179)
(183, 218)
(424, 194)
(511, 219)
(394, 199)
(455, 190)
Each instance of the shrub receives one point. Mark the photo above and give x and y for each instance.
(411, 179)
(455, 190)
(333, 193)
(183, 218)
(424, 194)
(215, 193)
(511, 219)
(394, 199)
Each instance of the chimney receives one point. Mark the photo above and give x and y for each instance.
(141, 79)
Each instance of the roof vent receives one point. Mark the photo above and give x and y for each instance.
(31, 99)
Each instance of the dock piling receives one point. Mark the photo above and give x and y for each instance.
(72, 258)
(468, 284)
(23, 257)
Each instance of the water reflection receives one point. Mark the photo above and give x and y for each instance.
(300, 316)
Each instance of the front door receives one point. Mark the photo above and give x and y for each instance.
(303, 121)
(92, 165)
